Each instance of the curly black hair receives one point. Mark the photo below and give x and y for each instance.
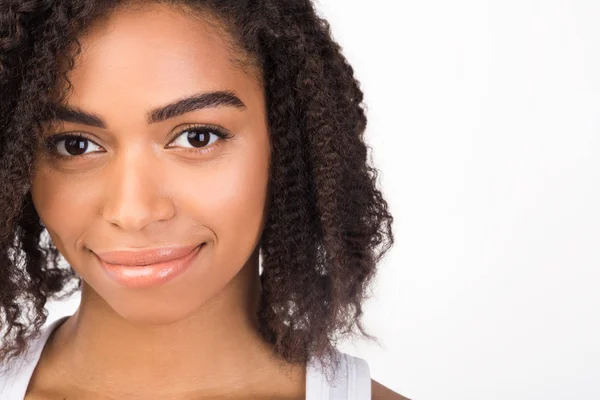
(327, 225)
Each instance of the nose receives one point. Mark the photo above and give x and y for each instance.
(135, 195)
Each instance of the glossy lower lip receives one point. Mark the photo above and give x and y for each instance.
(149, 275)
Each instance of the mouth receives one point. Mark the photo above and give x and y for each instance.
(143, 257)
(142, 274)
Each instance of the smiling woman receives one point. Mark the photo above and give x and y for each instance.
(165, 148)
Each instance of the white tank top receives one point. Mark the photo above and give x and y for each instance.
(352, 379)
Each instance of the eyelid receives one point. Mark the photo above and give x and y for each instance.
(54, 139)
(217, 130)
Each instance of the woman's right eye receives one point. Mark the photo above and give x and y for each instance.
(69, 146)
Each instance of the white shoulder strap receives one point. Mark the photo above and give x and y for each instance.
(359, 378)
(352, 381)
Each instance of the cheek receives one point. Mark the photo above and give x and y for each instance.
(229, 198)
(61, 203)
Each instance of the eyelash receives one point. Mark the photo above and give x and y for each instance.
(52, 141)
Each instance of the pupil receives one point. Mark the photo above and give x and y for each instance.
(76, 146)
(198, 138)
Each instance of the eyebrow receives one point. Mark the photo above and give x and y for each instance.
(179, 107)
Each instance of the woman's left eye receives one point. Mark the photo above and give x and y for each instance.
(199, 137)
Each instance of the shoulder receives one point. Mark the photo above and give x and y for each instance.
(380, 392)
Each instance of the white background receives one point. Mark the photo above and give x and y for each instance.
(484, 120)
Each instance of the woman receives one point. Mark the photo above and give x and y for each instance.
(164, 146)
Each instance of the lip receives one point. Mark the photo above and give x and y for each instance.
(138, 276)
(145, 257)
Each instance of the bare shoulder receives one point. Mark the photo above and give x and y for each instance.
(380, 392)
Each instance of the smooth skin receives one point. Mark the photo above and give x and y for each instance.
(144, 185)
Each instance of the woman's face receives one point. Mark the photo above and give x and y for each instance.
(145, 179)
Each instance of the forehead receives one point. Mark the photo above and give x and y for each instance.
(150, 55)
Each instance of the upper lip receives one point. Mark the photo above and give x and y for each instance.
(145, 256)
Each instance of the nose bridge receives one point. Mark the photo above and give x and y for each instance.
(134, 192)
